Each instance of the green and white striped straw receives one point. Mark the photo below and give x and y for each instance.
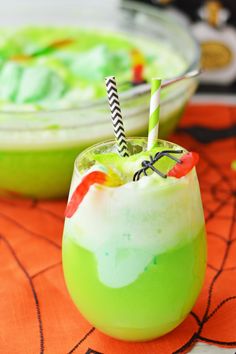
(154, 113)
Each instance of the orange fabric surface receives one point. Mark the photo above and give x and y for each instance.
(36, 312)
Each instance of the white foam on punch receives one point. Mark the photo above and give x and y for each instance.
(125, 227)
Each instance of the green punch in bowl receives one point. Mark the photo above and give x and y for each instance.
(51, 108)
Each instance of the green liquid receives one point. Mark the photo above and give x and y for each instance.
(152, 305)
(38, 174)
(46, 173)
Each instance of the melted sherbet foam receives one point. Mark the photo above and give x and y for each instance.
(73, 74)
(125, 227)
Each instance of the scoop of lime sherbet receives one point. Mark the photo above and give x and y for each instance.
(29, 84)
(10, 77)
(102, 62)
(38, 84)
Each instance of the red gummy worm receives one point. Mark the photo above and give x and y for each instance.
(82, 190)
(188, 161)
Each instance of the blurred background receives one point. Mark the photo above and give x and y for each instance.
(214, 25)
(213, 22)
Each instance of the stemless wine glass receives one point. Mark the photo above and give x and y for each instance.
(134, 256)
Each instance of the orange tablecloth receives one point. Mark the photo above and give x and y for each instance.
(36, 312)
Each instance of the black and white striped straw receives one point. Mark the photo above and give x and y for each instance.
(116, 116)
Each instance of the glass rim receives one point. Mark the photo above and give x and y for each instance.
(108, 142)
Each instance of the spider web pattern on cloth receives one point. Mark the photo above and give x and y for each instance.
(37, 315)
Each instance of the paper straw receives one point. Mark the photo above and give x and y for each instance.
(116, 116)
(154, 113)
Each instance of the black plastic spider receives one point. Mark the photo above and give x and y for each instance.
(149, 164)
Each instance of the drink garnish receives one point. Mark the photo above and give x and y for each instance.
(42, 51)
(182, 167)
(185, 165)
(82, 189)
(138, 62)
(146, 164)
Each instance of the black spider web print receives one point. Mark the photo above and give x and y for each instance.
(227, 197)
(30, 278)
